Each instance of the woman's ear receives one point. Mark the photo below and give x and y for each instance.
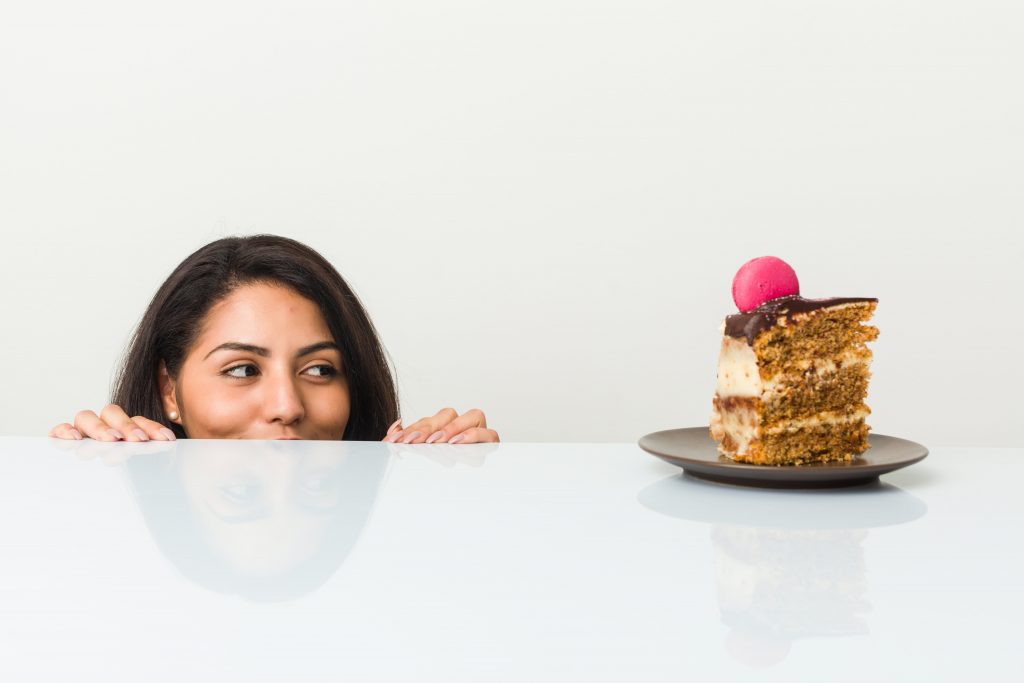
(168, 394)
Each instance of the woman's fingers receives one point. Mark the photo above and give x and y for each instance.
(447, 426)
(154, 430)
(475, 435)
(471, 419)
(396, 426)
(90, 425)
(65, 431)
(113, 424)
(414, 433)
(418, 431)
(115, 417)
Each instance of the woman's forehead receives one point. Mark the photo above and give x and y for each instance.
(261, 313)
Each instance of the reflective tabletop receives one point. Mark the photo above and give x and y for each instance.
(295, 561)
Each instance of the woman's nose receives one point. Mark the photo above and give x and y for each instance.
(283, 402)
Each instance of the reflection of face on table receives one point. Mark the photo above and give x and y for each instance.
(257, 518)
(262, 512)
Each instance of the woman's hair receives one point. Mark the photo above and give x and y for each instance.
(173, 320)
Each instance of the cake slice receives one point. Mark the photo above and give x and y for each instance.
(792, 381)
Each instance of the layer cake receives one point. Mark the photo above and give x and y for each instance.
(792, 381)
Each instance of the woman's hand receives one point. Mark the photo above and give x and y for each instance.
(112, 424)
(445, 427)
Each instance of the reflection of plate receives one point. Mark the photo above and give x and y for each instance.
(864, 507)
(696, 452)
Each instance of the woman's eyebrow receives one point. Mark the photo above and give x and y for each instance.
(239, 346)
(260, 351)
(319, 346)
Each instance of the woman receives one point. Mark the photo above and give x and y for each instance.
(260, 338)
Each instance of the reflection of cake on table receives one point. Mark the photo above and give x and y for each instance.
(775, 586)
(792, 373)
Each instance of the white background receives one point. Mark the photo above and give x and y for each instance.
(541, 203)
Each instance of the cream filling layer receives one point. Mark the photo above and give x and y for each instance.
(737, 369)
(776, 387)
(822, 418)
(741, 425)
(739, 376)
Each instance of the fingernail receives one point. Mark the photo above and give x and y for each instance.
(392, 438)
(77, 434)
(140, 435)
(168, 434)
(394, 424)
(457, 438)
(114, 433)
(435, 436)
(412, 437)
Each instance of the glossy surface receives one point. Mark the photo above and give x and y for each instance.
(693, 449)
(262, 561)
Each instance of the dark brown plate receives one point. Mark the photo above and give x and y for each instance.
(696, 452)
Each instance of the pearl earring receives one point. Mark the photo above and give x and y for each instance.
(173, 415)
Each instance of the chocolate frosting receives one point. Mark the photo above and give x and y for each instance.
(754, 322)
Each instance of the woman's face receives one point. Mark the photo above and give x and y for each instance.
(264, 366)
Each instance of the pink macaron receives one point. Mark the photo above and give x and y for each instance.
(763, 279)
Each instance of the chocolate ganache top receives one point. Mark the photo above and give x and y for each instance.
(752, 323)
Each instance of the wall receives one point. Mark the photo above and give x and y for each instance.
(542, 204)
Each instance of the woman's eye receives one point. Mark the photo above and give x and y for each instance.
(241, 371)
(250, 370)
(322, 371)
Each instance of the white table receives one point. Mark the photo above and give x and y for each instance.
(276, 561)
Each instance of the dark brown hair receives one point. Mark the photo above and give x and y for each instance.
(173, 320)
